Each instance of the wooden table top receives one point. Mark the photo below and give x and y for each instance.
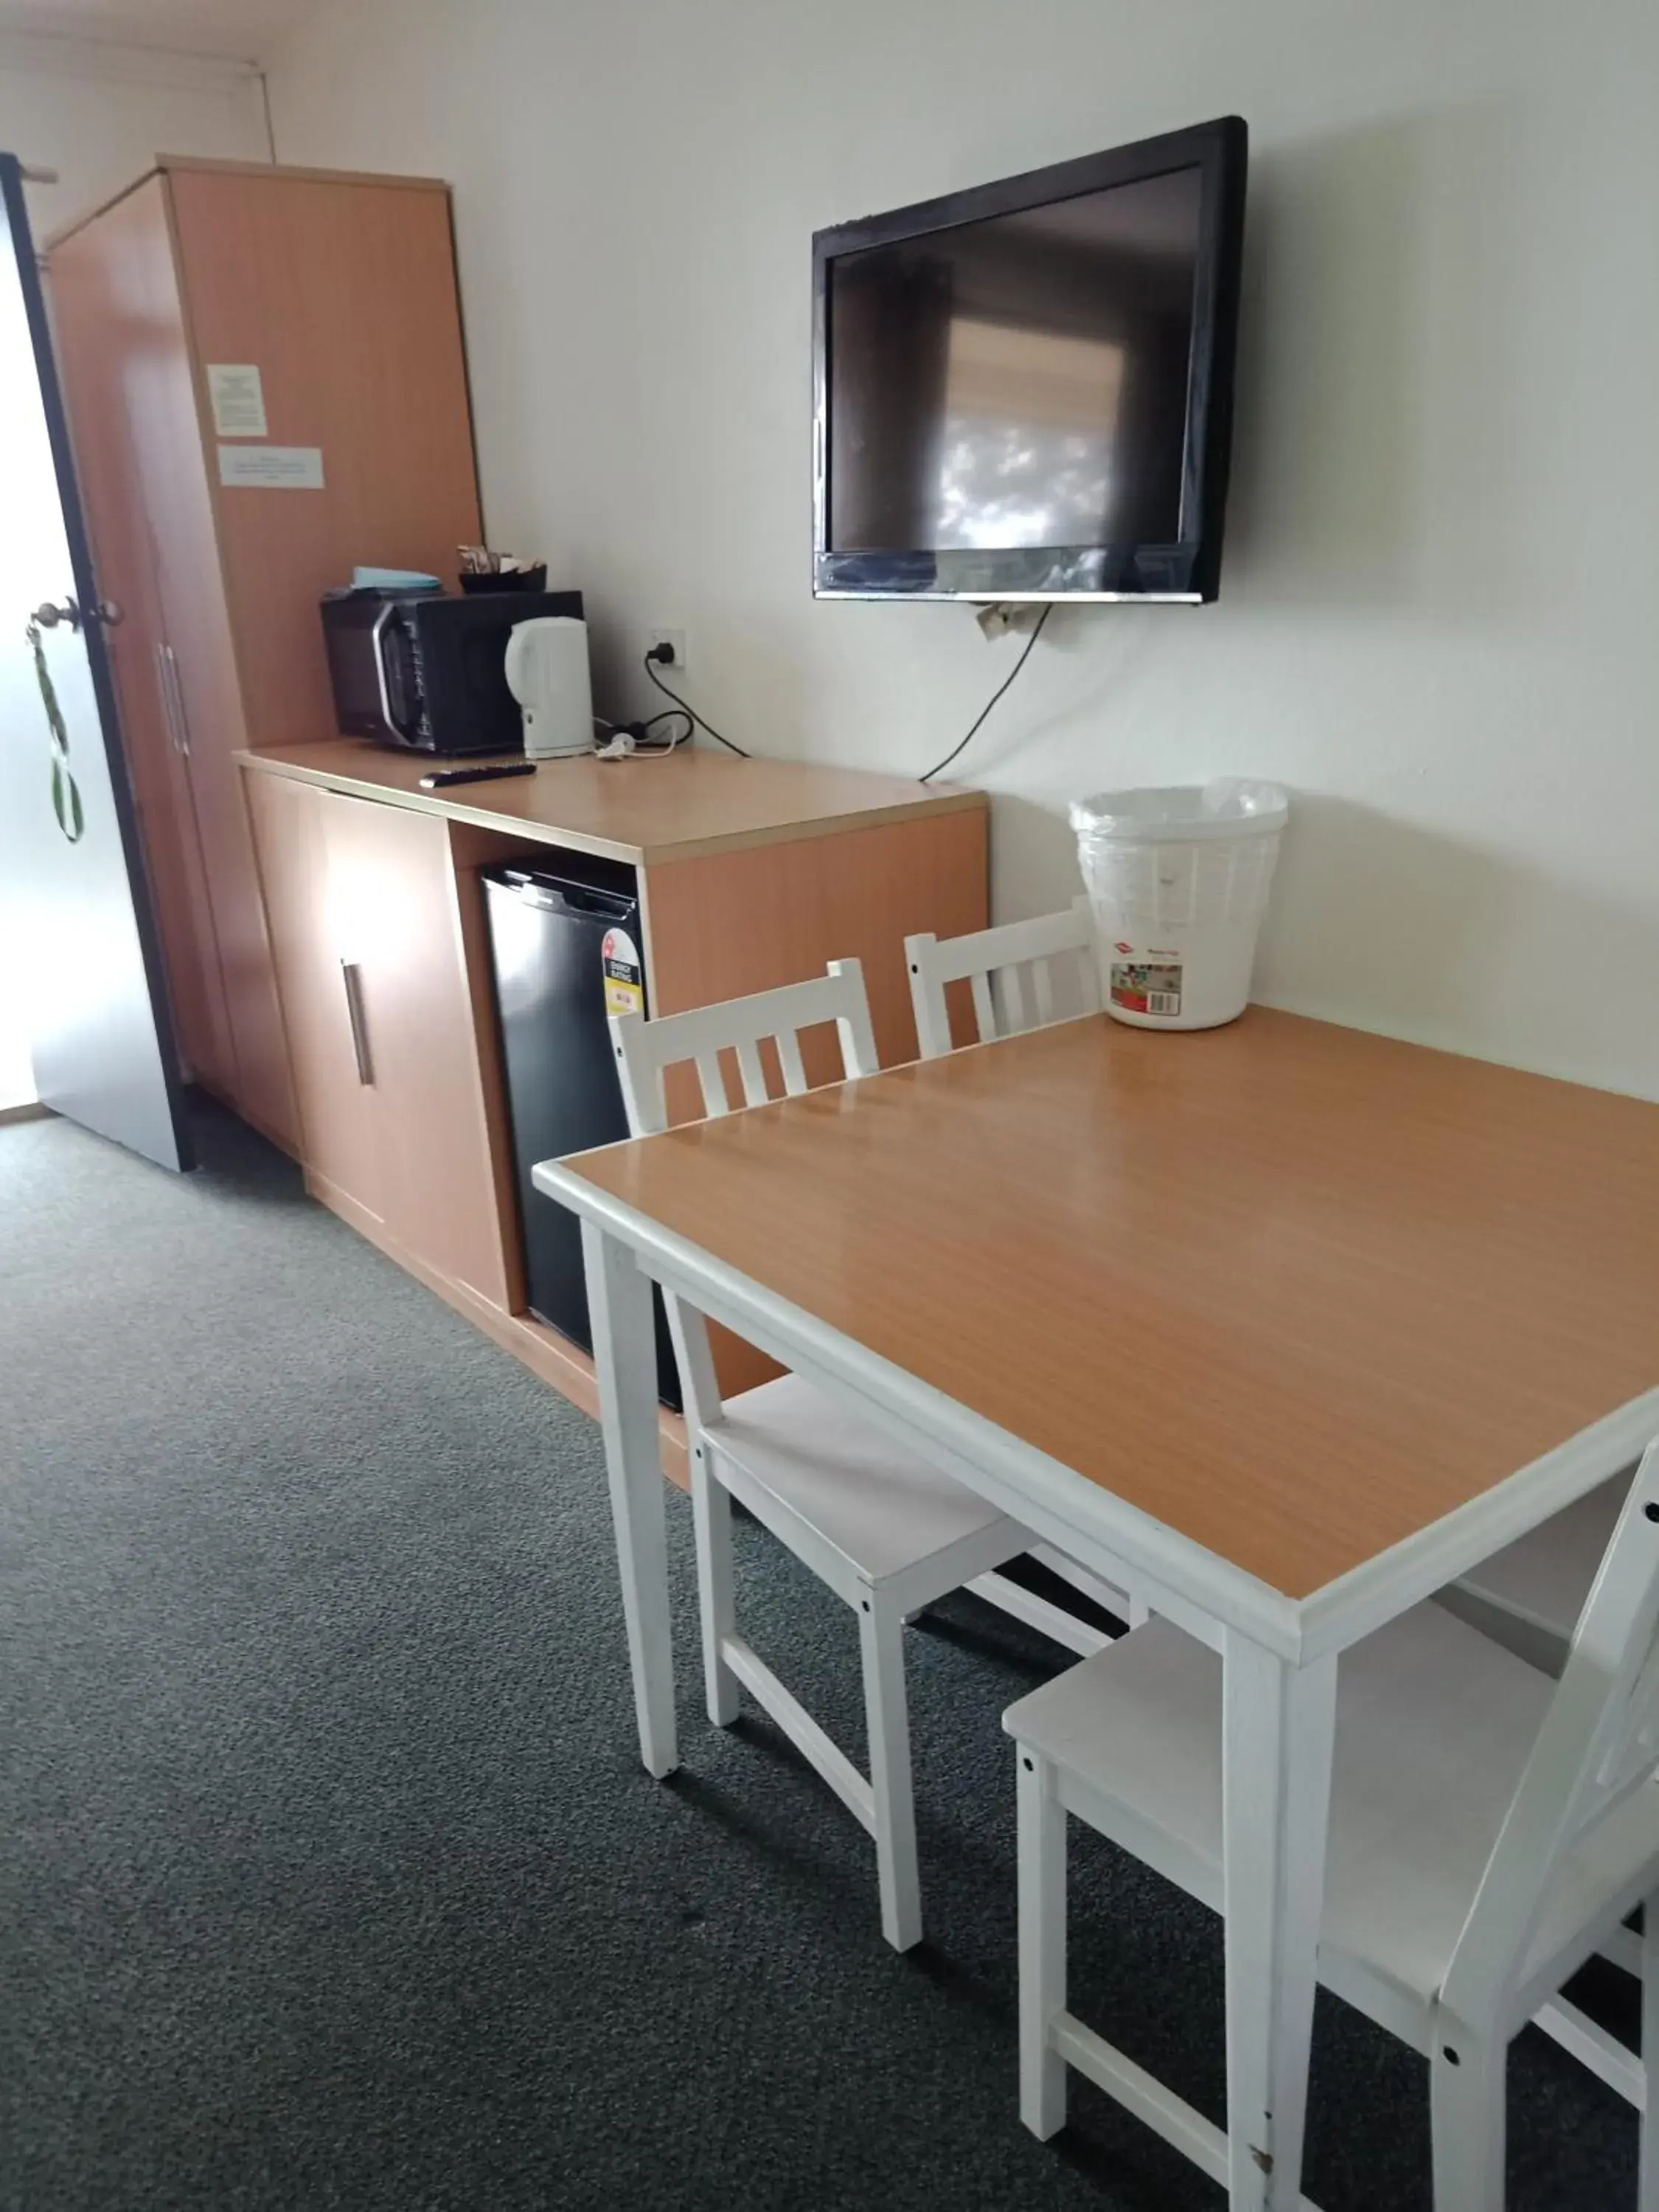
(1296, 1291)
(695, 801)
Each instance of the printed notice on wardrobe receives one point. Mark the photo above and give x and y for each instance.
(272, 468)
(237, 398)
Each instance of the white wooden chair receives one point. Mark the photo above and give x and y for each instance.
(885, 1530)
(1528, 1598)
(1001, 967)
(1488, 1826)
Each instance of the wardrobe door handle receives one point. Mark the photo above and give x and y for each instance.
(178, 702)
(352, 976)
(165, 691)
(173, 698)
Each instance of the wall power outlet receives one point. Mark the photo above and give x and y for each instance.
(674, 639)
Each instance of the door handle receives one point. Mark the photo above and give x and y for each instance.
(352, 976)
(173, 698)
(109, 612)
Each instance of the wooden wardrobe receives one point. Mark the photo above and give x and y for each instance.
(340, 290)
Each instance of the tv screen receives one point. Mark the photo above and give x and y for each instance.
(1022, 391)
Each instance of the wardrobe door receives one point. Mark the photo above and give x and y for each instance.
(340, 292)
(117, 353)
(209, 702)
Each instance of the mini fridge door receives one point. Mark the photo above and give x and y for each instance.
(555, 933)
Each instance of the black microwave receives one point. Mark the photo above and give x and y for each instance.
(426, 672)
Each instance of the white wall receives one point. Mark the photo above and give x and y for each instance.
(99, 114)
(1438, 607)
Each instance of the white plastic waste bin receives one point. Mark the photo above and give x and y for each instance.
(1178, 879)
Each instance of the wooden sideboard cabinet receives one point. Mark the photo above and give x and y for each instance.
(340, 292)
(750, 873)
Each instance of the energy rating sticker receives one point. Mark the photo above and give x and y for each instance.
(625, 978)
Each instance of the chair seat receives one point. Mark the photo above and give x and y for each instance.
(1545, 1576)
(1434, 1723)
(883, 1509)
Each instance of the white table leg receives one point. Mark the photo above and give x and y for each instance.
(625, 1361)
(1279, 1721)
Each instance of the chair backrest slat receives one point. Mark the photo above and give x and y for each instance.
(1598, 1744)
(794, 1075)
(985, 1012)
(754, 1076)
(1631, 1757)
(1010, 953)
(712, 1077)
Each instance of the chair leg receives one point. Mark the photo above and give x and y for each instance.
(711, 1520)
(1467, 2110)
(1647, 2192)
(1043, 2071)
(881, 1634)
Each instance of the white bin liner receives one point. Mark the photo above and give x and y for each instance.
(1178, 879)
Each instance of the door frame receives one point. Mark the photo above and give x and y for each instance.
(92, 630)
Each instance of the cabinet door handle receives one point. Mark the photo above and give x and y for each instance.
(173, 698)
(352, 976)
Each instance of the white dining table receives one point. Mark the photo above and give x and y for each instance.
(1283, 1325)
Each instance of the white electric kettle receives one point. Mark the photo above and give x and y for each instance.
(547, 673)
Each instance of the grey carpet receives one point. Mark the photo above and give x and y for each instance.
(329, 1875)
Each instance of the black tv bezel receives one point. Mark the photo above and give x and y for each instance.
(1186, 573)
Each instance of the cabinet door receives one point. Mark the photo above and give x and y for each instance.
(313, 936)
(392, 891)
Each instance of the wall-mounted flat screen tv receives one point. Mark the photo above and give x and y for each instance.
(1025, 391)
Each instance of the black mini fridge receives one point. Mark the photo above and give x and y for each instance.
(566, 944)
